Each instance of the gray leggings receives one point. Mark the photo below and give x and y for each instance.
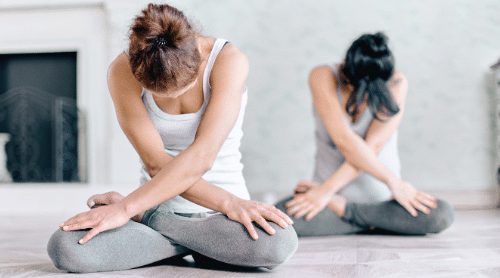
(163, 234)
(359, 217)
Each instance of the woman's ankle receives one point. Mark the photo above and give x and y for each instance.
(337, 204)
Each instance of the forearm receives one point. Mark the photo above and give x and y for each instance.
(210, 196)
(348, 172)
(362, 157)
(177, 176)
(344, 175)
(202, 192)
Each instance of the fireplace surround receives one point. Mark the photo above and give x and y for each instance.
(96, 31)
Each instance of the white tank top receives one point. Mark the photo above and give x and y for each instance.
(178, 131)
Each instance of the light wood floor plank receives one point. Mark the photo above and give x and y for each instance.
(469, 248)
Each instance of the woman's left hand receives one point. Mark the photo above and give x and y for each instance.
(98, 220)
(411, 198)
(311, 202)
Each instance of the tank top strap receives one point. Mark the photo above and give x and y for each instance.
(336, 72)
(218, 45)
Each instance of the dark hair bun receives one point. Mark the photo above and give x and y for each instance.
(368, 65)
(376, 45)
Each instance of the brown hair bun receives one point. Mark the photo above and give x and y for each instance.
(163, 51)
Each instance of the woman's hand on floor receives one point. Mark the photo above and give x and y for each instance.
(309, 198)
(98, 220)
(246, 212)
(412, 199)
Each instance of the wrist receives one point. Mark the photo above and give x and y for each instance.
(392, 182)
(128, 208)
(328, 188)
(226, 204)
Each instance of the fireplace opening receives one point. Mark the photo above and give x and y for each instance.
(40, 117)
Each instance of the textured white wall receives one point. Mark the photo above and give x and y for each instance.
(444, 48)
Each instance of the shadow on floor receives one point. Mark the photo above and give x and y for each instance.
(196, 260)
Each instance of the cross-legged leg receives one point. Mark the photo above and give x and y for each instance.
(391, 216)
(126, 247)
(224, 240)
(387, 215)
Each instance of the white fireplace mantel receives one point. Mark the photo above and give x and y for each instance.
(96, 30)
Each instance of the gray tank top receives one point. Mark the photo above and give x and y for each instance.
(178, 132)
(329, 158)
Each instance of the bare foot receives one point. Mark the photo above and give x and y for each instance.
(304, 186)
(109, 198)
(337, 204)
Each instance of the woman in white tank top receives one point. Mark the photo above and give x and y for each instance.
(180, 98)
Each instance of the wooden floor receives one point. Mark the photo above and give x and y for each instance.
(469, 248)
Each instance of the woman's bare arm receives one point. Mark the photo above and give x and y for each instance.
(178, 174)
(376, 137)
(360, 154)
(323, 87)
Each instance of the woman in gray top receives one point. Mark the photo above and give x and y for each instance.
(356, 185)
(180, 98)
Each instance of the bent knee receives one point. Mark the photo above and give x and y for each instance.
(441, 218)
(276, 249)
(63, 250)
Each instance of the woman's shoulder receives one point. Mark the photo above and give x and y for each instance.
(397, 77)
(120, 75)
(398, 85)
(230, 59)
(231, 53)
(398, 81)
(120, 65)
(323, 74)
(324, 68)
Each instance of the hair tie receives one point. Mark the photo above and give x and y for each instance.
(161, 42)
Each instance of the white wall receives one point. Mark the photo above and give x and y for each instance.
(444, 48)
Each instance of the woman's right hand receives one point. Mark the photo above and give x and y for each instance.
(98, 220)
(246, 212)
(411, 198)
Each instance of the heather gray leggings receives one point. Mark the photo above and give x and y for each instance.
(358, 217)
(163, 234)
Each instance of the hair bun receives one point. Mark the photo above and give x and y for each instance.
(377, 45)
(163, 49)
(163, 41)
(161, 26)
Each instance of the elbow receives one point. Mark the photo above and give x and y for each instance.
(152, 168)
(204, 162)
(207, 164)
(376, 144)
(350, 145)
(377, 147)
(344, 145)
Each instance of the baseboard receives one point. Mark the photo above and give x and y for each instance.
(59, 199)
(470, 199)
